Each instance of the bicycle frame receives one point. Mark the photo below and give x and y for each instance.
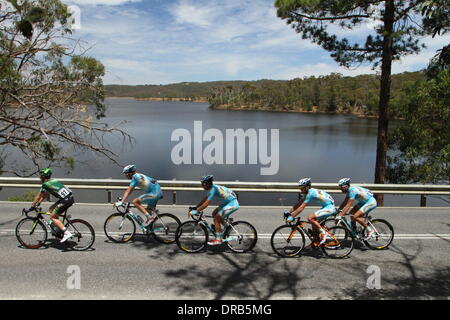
(227, 222)
(134, 216)
(301, 224)
(40, 217)
(350, 228)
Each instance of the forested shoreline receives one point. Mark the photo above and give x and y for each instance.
(333, 93)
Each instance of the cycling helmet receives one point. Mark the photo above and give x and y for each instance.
(129, 169)
(207, 179)
(304, 182)
(344, 182)
(45, 173)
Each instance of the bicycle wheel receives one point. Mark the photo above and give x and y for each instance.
(287, 241)
(191, 236)
(383, 236)
(83, 235)
(240, 236)
(340, 245)
(119, 228)
(164, 227)
(31, 233)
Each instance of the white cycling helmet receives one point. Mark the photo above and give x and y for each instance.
(129, 169)
(344, 182)
(304, 182)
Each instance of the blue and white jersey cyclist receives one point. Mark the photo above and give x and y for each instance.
(362, 201)
(228, 205)
(151, 188)
(318, 197)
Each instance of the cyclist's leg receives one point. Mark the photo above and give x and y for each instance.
(320, 215)
(55, 212)
(148, 199)
(365, 209)
(225, 211)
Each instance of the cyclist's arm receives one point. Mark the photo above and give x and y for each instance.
(203, 204)
(344, 202)
(347, 207)
(127, 193)
(298, 210)
(39, 198)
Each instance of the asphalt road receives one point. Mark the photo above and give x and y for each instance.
(416, 266)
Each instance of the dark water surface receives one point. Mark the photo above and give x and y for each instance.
(323, 147)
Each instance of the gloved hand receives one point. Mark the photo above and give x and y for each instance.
(290, 218)
(194, 212)
(118, 203)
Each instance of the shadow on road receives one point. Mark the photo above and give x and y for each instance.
(260, 275)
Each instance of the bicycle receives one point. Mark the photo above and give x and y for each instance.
(120, 227)
(288, 240)
(192, 236)
(32, 232)
(381, 239)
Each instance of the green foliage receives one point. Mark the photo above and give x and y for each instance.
(26, 197)
(333, 94)
(421, 144)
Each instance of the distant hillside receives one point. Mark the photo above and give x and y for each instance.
(333, 93)
(185, 90)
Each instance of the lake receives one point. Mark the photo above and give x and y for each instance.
(323, 147)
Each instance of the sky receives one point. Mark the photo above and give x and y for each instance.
(171, 41)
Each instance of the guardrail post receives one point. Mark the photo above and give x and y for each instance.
(423, 201)
(174, 195)
(109, 196)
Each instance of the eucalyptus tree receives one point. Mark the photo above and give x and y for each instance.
(51, 94)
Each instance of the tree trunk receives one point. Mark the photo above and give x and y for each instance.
(385, 92)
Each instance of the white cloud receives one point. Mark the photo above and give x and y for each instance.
(104, 2)
(190, 13)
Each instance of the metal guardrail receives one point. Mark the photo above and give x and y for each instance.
(181, 185)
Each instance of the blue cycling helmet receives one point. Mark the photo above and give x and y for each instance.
(344, 182)
(207, 179)
(129, 169)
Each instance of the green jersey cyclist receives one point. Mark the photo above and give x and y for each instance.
(61, 192)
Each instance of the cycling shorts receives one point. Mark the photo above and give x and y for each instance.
(151, 199)
(325, 212)
(368, 206)
(227, 208)
(63, 204)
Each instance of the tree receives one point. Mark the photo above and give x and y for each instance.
(46, 88)
(397, 34)
(421, 144)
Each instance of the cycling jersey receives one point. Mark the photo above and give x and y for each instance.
(56, 189)
(320, 197)
(151, 188)
(224, 194)
(147, 184)
(359, 194)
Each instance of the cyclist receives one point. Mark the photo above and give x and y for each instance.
(228, 206)
(151, 188)
(320, 197)
(363, 201)
(58, 190)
